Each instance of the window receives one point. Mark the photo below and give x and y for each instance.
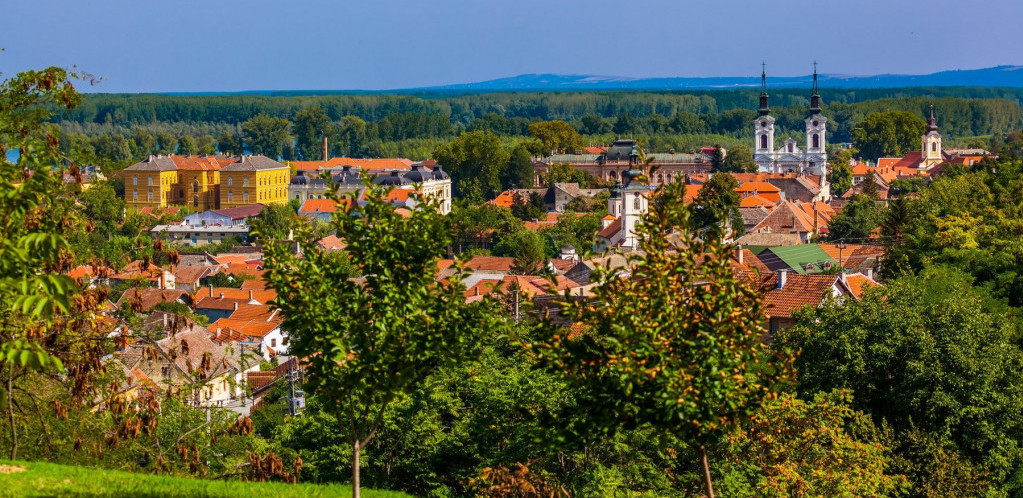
(635, 202)
(763, 141)
(230, 196)
(246, 196)
(134, 195)
(150, 196)
(273, 342)
(150, 181)
(230, 181)
(934, 146)
(195, 187)
(790, 147)
(195, 202)
(134, 180)
(245, 182)
(816, 141)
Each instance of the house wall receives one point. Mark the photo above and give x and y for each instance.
(149, 188)
(240, 188)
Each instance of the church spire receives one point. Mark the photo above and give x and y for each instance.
(932, 124)
(815, 98)
(764, 109)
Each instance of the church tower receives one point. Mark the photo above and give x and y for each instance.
(633, 205)
(764, 125)
(931, 153)
(816, 133)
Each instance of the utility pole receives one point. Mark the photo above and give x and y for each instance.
(291, 387)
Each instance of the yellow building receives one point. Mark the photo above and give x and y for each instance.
(201, 183)
(151, 183)
(254, 179)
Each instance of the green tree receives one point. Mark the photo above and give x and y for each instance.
(310, 126)
(888, 134)
(739, 160)
(566, 173)
(527, 248)
(352, 134)
(555, 136)
(144, 143)
(103, 208)
(677, 348)
(716, 208)
(187, 145)
(593, 124)
(925, 353)
(475, 160)
(717, 159)
(818, 447)
(856, 221)
(263, 134)
(625, 125)
(166, 142)
(275, 221)
(529, 207)
(230, 143)
(206, 144)
(369, 342)
(519, 173)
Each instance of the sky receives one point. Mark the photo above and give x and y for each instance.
(229, 45)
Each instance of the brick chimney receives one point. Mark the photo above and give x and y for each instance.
(326, 151)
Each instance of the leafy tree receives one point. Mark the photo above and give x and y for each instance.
(263, 134)
(206, 144)
(475, 160)
(738, 160)
(144, 143)
(819, 447)
(187, 145)
(840, 174)
(476, 225)
(103, 208)
(519, 173)
(857, 220)
(528, 250)
(574, 230)
(594, 125)
(716, 209)
(529, 207)
(888, 134)
(676, 348)
(275, 221)
(556, 136)
(166, 142)
(352, 134)
(925, 353)
(625, 125)
(566, 173)
(230, 143)
(369, 342)
(310, 125)
(687, 123)
(717, 159)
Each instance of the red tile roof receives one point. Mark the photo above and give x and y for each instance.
(369, 164)
(857, 283)
(612, 229)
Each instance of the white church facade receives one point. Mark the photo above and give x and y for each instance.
(811, 158)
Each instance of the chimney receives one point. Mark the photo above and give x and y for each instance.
(236, 305)
(326, 154)
(211, 290)
(165, 320)
(250, 295)
(221, 295)
(782, 277)
(738, 253)
(870, 273)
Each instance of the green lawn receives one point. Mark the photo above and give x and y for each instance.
(46, 479)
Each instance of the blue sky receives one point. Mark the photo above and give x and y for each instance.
(228, 45)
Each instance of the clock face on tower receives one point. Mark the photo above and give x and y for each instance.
(764, 124)
(815, 123)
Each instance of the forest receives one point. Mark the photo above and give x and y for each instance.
(120, 127)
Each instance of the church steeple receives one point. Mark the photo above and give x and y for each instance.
(815, 98)
(764, 109)
(932, 124)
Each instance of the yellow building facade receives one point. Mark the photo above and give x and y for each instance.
(254, 180)
(202, 183)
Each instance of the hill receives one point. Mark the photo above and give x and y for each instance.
(1000, 76)
(47, 479)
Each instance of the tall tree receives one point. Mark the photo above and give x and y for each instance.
(310, 126)
(229, 143)
(263, 134)
(475, 160)
(888, 134)
(519, 173)
(676, 348)
(352, 134)
(187, 145)
(739, 160)
(857, 220)
(368, 342)
(555, 136)
(716, 208)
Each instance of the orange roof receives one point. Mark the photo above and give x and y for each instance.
(253, 312)
(691, 192)
(610, 230)
(369, 164)
(399, 195)
(247, 328)
(256, 285)
(319, 206)
(756, 200)
(595, 150)
(490, 263)
(535, 226)
(197, 163)
(504, 199)
(331, 243)
(237, 294)
(858, 282)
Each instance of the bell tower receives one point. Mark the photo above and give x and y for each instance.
(764, 125)
(931, 153)
(816, 132)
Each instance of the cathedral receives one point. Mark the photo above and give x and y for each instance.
(791, 158)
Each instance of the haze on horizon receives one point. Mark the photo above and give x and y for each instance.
(231, 45)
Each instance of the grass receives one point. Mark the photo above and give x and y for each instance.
(47, 479)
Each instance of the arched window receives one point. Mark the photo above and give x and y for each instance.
(635, 203)
(195, 202)
(790, 147)
(934, 146)
(660, 178)
(195, 187)
(816, 141)
(763, 141)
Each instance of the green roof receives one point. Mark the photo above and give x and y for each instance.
(797, 257)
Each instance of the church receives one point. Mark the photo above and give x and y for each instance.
(791, 158)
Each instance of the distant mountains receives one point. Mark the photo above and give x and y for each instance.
(1000, 76)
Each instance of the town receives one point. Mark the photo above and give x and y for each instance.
(362, 257)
